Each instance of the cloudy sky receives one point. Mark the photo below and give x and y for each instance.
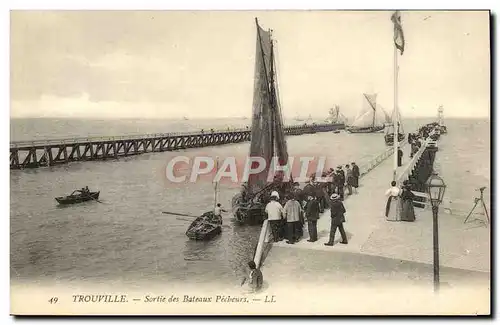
(113, 64)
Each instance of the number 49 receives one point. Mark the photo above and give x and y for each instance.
(53, 300)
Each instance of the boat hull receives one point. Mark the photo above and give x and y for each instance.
(370, 129)
(250, 215)
(201, 229)
(72, 199)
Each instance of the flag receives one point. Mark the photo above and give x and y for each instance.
(399, 38)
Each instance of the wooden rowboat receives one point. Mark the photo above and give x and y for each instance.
(205, 227)
(78, 197)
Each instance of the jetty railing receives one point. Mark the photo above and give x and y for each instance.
(95, 139)
(408, 169)
(49, 152)
(377, 160)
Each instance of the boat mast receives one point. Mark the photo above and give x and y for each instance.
(374, 112)
(373, 107)
(272, 99)
(216, 186)
(267, 79)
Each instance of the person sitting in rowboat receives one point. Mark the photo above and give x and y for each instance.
(217, 215)
(84, 191)
(218, 210)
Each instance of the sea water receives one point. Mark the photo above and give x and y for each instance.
(127, 239)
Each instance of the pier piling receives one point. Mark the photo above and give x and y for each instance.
(40, 153)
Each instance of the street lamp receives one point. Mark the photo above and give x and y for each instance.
(435, 188)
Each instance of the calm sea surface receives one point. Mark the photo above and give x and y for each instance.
(128, 238)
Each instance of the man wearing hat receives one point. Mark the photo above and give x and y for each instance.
(355, 175)
(340, 182)
(312, 215)
(337, 211)
(274, 212)
(331, 184)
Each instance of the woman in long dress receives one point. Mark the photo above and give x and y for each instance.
(393, 205)
(408, 212)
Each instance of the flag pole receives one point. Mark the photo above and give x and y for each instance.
(395, 122)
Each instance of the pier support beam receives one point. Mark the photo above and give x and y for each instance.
(103, 148)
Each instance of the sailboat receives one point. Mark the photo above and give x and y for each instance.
(267, 136)
(335, 117)
(389, 131)
(368, 120)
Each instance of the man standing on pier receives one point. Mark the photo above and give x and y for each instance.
(331, 181)
(349, 181)
(400, 157)
(312, 216)
(355, 175)
(292, 211)
(337, 211)
(274, 212)
(340, 182)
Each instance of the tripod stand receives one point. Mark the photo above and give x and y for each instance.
(476, 201)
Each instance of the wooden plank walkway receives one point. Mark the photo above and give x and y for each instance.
(365, 211)
(464, 246)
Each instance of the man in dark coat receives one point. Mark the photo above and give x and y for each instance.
(320, 195)
(355, 174)
(341, 182)
(312, 216)
(337, 211)
(309, 189)
(400, 157)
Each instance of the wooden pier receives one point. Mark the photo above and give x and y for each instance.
(374, 239)
(44, 153)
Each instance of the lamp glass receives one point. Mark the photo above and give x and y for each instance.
(436, 188)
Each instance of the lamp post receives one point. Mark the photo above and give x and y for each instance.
(435, 189)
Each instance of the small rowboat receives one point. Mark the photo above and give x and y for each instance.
(205, 227)
(78, 197)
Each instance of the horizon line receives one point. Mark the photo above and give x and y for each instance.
(207, 118)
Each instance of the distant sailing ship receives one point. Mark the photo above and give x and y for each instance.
(185, 118)
(267, 136)
(368, 120)
(389, 131)
(335, 117)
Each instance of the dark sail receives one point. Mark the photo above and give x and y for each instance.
(261, 134)
(279, 133)
(267, 133)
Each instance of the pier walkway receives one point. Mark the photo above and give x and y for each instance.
(462, 246)
(44, 153)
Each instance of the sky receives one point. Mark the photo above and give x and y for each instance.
(199, 64)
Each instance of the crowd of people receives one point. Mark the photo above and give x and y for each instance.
(400, 200)
(287, 222)
(288, 215)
